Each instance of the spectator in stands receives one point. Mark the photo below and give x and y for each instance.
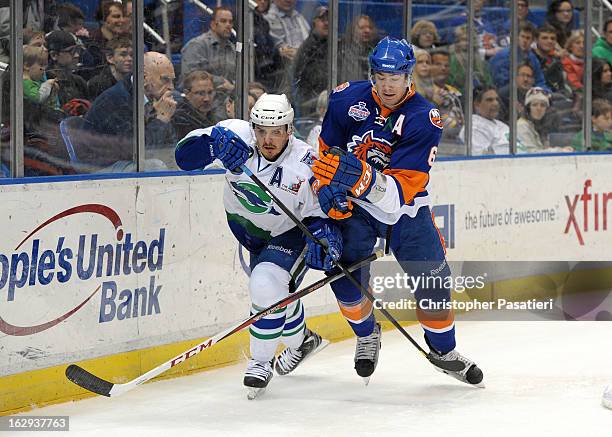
(560, 15)
(197, 109)
(423, 82)
(359, 38)
(34, 38)
(458, 62)
(603, 46)
(601, 135)
(230, 105)
(213, 51)
(110, 117)
(531, 130)
(36, 87)
(110, 17)
(65, 53)
(573, 62)
(524, 16)
(550, 62)
(288, 27)
(485, 29)
(524, 82)
(424, 35)
(119, 59)
(268, 63)
(499, 65)
(445, 96)
(70, 18)
(313, 135)
(127, 18)
(490, 136)
(602, 79)
(311, 64)
(257, 89)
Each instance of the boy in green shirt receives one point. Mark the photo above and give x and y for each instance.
(35, 88)
(601, 136)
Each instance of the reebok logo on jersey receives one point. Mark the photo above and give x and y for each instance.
(280, 249)
(359, 112)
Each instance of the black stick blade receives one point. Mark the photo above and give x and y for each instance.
(88, 381)
(452, 365)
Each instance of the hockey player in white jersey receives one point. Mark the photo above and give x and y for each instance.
(278, 250)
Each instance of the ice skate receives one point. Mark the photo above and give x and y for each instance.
(257, 376)
(606, 400)
(366, 354)
(471, 374)
(290, 358)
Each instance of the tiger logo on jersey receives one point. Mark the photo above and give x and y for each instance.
(375, 151)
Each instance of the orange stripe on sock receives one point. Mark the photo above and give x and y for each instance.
(356, 313)
(440, 320)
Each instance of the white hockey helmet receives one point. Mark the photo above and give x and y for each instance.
(272, 110)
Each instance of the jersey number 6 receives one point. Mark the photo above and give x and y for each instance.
(432, 155)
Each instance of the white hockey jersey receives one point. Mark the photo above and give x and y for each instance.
(287, 177)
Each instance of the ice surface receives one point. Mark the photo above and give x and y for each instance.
(542, 378)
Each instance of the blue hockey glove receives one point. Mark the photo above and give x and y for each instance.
(229, 148)
(329, 234)
(345, 171)
(332, 200)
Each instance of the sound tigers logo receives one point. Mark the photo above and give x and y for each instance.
(375, 151)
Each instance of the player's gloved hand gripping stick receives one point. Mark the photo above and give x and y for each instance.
(451, 365)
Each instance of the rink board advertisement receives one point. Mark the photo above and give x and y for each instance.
(98, 268)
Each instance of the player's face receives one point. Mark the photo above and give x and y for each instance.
(271, 140)
(391, 88)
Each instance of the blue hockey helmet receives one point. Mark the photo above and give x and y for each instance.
(392, 55)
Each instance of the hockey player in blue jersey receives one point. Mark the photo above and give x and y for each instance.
(276, 246)
(388, 135)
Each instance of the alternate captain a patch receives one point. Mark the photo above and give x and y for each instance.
(375, 151)
(435, 118)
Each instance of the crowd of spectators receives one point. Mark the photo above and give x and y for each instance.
(78, 84)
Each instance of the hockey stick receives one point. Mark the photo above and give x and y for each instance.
(451, 365)
(95, 384)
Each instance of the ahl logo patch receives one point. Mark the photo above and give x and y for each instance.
(359, 112)
(341, 87)
(375, 151)
(435, 118)
(253, 198)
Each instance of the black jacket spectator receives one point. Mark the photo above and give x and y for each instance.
(187, 118)
(98, 84)
(111, 116)
(311, 66)
(267, 58)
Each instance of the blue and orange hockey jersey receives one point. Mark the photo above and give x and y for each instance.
(401, 144)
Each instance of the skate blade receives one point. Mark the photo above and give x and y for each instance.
(254, 393)
(366, 380)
